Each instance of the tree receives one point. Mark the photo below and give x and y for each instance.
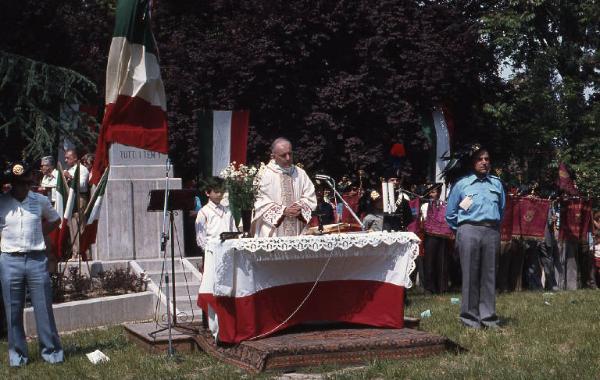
(548, 110)
(343, 80)
(45, 61)
(32, 94)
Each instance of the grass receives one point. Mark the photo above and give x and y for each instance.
(545, 336)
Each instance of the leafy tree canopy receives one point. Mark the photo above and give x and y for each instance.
(50, 60)
(32, 96)
(548, 109)
(343, 80)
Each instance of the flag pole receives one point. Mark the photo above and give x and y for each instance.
(78, 219)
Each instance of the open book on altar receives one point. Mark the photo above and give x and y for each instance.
(333, 228)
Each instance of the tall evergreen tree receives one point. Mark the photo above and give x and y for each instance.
(33, 95)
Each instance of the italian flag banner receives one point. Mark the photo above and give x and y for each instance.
(438, 128)
(69, 206)
(443, 133)
(223, 139)
(60, 236)
(92, 214)
(135, 112)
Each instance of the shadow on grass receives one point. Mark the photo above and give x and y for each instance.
(508, 322)
(79, 350)
(100, 343)
(455, 348)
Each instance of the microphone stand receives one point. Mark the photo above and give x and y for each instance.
(337, 194)
(165, 236)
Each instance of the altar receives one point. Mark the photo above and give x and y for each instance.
(253, 288)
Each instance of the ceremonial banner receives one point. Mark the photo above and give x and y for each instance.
(223, 139)
(575, 219)
(565, 182)
(435, 222)
(506, 225)
(415, 210)
(136, 109)
(92, 214)
(530, 217)
(60, 236)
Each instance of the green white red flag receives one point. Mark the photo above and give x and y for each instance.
(60, 236)
(223, 139)
(92, 214)
(69, 207)
(136, 110)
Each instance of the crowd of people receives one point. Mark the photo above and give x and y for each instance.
(463, 242)
(522, 262)
(545, 262)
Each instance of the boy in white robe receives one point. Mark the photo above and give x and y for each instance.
(213, 218)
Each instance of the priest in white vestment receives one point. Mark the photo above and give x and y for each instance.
(286, 196)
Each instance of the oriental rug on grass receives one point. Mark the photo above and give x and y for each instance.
(316, 345)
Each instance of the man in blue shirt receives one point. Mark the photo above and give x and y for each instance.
(474, 211)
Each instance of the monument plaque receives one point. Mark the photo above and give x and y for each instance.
(123, 155)
(126, 230)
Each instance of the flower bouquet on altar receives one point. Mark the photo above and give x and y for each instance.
(241, 183)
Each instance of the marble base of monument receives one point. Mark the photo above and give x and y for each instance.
(126, 231)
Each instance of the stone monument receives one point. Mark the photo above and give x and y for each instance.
(126, 231)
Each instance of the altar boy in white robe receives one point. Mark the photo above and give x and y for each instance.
(286, 196)
(213, 218)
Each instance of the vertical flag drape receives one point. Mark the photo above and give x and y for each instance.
(442, 146)
(91, 216)
(60, 236)
(70, 206)
(135, 111)
(223, 139)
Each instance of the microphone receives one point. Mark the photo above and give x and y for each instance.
(167, 167)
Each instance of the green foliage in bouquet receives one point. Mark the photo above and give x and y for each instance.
(241, 183)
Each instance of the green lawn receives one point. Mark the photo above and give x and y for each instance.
(544, 336)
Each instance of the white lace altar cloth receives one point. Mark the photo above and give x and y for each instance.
(243, 267)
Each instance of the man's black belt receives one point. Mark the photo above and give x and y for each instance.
(23, 253)
(485, 223)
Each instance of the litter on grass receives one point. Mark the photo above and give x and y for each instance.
(97, 357)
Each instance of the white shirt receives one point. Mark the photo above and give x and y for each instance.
(21, 222)
(50, 181)
(211, 220)
(84, 175)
